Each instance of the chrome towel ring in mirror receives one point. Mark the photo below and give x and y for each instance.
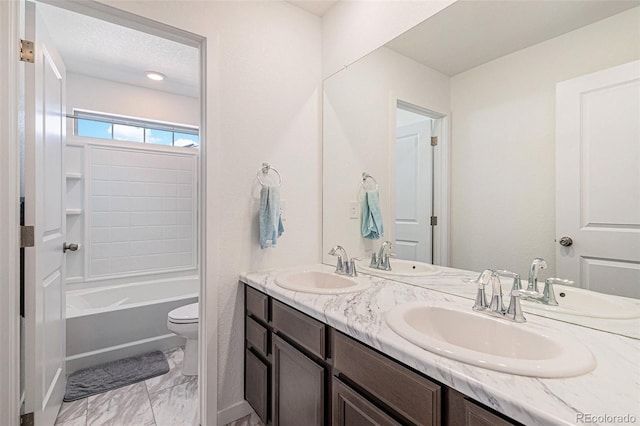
(264, 170)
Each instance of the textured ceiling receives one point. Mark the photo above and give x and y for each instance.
(101, 49)
(470, 33)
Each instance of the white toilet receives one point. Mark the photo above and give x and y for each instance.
(184, 322)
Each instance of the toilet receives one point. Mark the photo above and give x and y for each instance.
(183, 321)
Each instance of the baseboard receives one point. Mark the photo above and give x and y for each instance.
(112, 353)
(233, 413)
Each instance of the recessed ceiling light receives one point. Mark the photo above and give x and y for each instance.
(154, 75)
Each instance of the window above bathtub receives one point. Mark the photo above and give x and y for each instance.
(131, 129)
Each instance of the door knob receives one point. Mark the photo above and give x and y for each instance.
(566, 241)
(67, 246)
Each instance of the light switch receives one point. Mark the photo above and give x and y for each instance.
(283, 210)
(353, 210)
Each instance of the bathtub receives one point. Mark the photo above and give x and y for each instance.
(109, 323)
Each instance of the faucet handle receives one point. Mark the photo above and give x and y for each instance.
(549, 296)
(517, 284)
(351, 268)
(514, 311)
(374, 260)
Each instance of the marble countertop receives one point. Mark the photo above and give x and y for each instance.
(612, 389)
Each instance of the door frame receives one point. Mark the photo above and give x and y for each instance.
(441, 231)
(10, 83)
(11, 79)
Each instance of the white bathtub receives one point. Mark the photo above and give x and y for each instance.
(109, 323)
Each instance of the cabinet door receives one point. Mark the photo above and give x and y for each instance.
(351, 409)
(256, 385)
(478, 416)
(298, 387)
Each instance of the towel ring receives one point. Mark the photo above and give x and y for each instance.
(265, 170)
(366, 176)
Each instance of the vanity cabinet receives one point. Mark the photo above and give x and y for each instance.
(301, 372)
(298, 387)
(352, 409)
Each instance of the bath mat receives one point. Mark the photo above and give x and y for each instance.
(115, 374)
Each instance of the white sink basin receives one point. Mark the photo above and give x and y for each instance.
(574, 301)
(493, 343)
(402, 268)
(320, 282)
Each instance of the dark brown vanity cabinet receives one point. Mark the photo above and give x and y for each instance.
(301, 372)
(298, 387)
(257, 364)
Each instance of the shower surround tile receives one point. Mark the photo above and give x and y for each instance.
(128, 405)
(72, 411)
(177, 405)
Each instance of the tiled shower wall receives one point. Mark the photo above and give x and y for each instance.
(133, 208)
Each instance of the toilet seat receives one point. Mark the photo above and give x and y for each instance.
(187, 314)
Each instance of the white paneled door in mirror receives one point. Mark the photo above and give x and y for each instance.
(598, 180)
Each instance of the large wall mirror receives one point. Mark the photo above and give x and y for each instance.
(489, 132)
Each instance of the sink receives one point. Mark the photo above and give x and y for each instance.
(321, 282)
(582, 303)
(402, 268)
(492, 343)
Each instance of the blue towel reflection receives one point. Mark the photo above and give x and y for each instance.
(372, 227)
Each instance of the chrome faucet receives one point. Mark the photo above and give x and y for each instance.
(344, 266)
(536, 265)
(381, 260)
(496, 307)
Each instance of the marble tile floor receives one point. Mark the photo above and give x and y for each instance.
(167, 400)
(250, 420)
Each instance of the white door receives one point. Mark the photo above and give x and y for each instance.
(414, 191)
(45, 189)
(598, 180)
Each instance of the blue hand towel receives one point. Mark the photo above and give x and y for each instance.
(270, 221)
(371, 216)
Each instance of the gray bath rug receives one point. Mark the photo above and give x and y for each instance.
(115, 374)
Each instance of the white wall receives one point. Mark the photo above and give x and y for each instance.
(359, 136)
(263, 85)
(352, 29)
(101, 95)
(503, 131)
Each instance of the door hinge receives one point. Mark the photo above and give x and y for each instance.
(27, 419)
(434, 141)
(434, 220)
(27, 236)
(26, 51)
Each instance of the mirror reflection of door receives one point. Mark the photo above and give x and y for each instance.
(414, 183)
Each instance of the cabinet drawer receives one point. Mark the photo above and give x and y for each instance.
(256, 385)
(400, 389)
(478, 416)
(349, 408)
(256, 335)
(257, 304)
(300, 328)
